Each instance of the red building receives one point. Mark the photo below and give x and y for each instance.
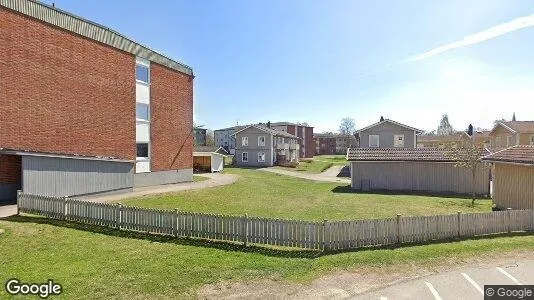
(86, 110)
(305, 132)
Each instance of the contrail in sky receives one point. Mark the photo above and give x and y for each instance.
(484, 35)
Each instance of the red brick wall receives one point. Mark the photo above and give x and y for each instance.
(10, 169)
(62, 93)
(309, 142)
(171, 104)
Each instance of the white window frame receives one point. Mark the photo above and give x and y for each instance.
(145, 65)
(244, 141)
(243, 156)
(261, 144)
(395, 137)
(261, 154)
(377, 140)
(141, 158)
(148, 112)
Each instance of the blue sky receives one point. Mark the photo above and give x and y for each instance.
(321, 61)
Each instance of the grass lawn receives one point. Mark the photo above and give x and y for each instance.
(335, 159)
(93, 262)
(197, 178)
(265, 194)
(311, 166)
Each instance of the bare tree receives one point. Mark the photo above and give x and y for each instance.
(347, 126)
(469, 157)
(445, 128)
(210, 138)
(499, 121)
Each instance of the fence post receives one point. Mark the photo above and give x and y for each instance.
(65, 198)
(326, 236)
(244, 230)
(119, 216)
(459, 224)
(19, 198)
(175, 223)
(398, 229)
(508, 219)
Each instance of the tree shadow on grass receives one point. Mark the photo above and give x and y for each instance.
(266, 250)
(346, 189)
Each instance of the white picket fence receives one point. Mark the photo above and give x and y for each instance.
(326, 235)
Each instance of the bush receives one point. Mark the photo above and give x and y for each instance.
(288, 164)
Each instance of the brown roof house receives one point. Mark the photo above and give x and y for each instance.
(419, 170)
(508, 134)
(452, 141)
(513, 182)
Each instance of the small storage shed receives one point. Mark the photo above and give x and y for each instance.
(209, 159)
(422, 170)
(513, 180)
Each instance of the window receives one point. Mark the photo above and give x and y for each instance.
(398, 140)
(374, 141)
(510, 141)
(244, 141)
(261, 141)
(498, 142)
(142, 150)
(261, 156)
(142, 73)
(142, 111)
(532, 139)
(244, 157)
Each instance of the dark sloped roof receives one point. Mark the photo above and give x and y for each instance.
(288, 123)
(271, 131)
(401, 154)
(210, 149)
(517, 154)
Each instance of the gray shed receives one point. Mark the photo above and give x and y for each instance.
(412, 170)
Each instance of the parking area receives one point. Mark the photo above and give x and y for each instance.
(462, 284)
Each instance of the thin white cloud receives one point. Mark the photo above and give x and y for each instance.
(487, 34)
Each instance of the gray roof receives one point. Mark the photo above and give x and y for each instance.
(401, 154)
(271, 131)
(288, 123)
(235, 128)
(211, 149)
(91, 30)
(28, 152)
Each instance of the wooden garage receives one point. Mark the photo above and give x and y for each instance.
(209, 159)
(513, 182)
(424, 170)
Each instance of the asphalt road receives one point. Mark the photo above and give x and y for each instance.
(462, 284)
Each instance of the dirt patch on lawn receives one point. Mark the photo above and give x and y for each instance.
(350, 283)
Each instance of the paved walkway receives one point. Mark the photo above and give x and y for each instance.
(326, 176)
(215, 179)
(462, 284)
(7, 210)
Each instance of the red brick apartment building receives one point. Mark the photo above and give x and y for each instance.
(86, 110)
(305, 132)
(333, 143)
